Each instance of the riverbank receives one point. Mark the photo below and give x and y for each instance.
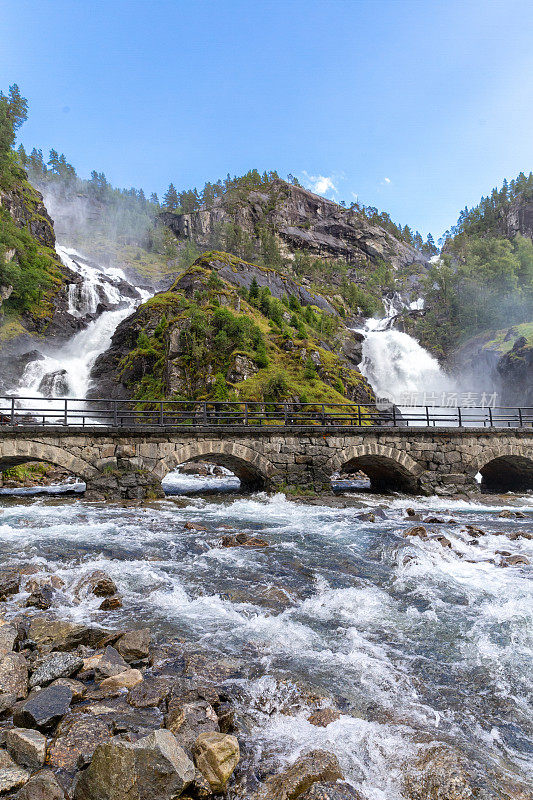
(416, 643)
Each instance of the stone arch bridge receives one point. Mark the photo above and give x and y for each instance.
(131, 463)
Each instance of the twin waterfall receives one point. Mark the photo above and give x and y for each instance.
(394, 363)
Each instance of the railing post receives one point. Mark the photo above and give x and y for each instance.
(65, 414)
(115, 413)
(12, 410)
(246, 413)
(161, 413)
(520, 416)
(459, 416)
(285, 413)
(394, 415)
(205, 412)
(427, 415)
(359, 415)
(490, 417)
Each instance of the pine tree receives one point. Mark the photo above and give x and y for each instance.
(22, 155)
(171, 200)
(53, 162)
(154, 199)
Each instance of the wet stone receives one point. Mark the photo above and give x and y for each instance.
(418, 530)
(154, 767)
(111, 603)
(97, 583)
(77, 688)
(216, 755)
(317, 766)
(124, 680)
(40, 598)
(331, 791)
(110, 664)
(150, 692)
(9, 583)
(134, 645)
(76, 738)
(14, 675)
(44, 709)
(27, 747)
(322, 717)
(56, 665)
(42, 786)
(243, 540)
(61, 635)
(8, 637)
(11, 775)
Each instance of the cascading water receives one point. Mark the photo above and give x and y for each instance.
(65, 372)
(396, 365)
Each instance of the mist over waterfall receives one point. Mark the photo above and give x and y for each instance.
(396, 365)
(65, 371)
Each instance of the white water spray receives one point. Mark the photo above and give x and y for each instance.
(66, 372)
(396, 365)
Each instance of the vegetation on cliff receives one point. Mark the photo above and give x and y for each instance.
(206, 339)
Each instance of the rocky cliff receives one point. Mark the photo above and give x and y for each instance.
(220, 334)
(300, 221)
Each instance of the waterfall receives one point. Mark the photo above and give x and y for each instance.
(65, 372)
(396, 365)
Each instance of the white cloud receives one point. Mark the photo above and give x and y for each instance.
(319, 184)
(386, 181)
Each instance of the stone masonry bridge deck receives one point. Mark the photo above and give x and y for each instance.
(131, 463)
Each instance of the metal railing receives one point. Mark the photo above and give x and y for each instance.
(24, 411)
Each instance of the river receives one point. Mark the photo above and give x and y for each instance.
(414, 642)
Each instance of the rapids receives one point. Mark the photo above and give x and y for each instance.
(413, 642)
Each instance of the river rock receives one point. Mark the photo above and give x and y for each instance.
(8, 637)
(62, 635)
(110, 664)
(216, 755)
(188, 721)
(317, 766)
(27, 747)
(42, 786)
(243, 540)
(515, 560)
(11, 775)
(77, 688)
(9, 583)
(44, 582)
(44, 709)
(76, 738)
(150, 692)
(153, 768)
(135, 645)
(14, 675)
(322, 717)
(331, 791)
(98, 582)
(40, 598)
(441, 773)
(124, 680)
(442, 540)
(7, 702)
(111, 603)
(418, 530)
(56, 665)
(133, 723)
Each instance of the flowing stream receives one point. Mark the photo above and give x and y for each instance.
(415, 643)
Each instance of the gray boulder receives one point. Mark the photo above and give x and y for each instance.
(11, 775)
(27, 747)
(42, 786)
(14, 675)
(44, 709)
(153, 768)
(56, 665)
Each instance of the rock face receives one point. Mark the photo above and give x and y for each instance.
(515, 369)
(301, 220)
(153, 767)
(30, 215)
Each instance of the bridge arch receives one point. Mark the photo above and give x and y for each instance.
(253, 469)
(20, 451)
(388, 468)
(505, 468)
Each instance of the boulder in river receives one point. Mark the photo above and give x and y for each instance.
(216, 755)
(98, 583)
(153, 768)
(243, 540)
(11, 775)
(317, 766)
(134, 645)
(63, 635)
(55, 665)
(44, 709)
(27, 747)
(14, 675)
(42, 786)
(418, 530)
(440, 772)
(110, 664)
(8, 637)
(331, 791)
(9, 583)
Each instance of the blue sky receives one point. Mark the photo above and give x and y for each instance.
(416, 107)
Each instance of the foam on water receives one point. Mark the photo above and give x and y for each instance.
(404, 634)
